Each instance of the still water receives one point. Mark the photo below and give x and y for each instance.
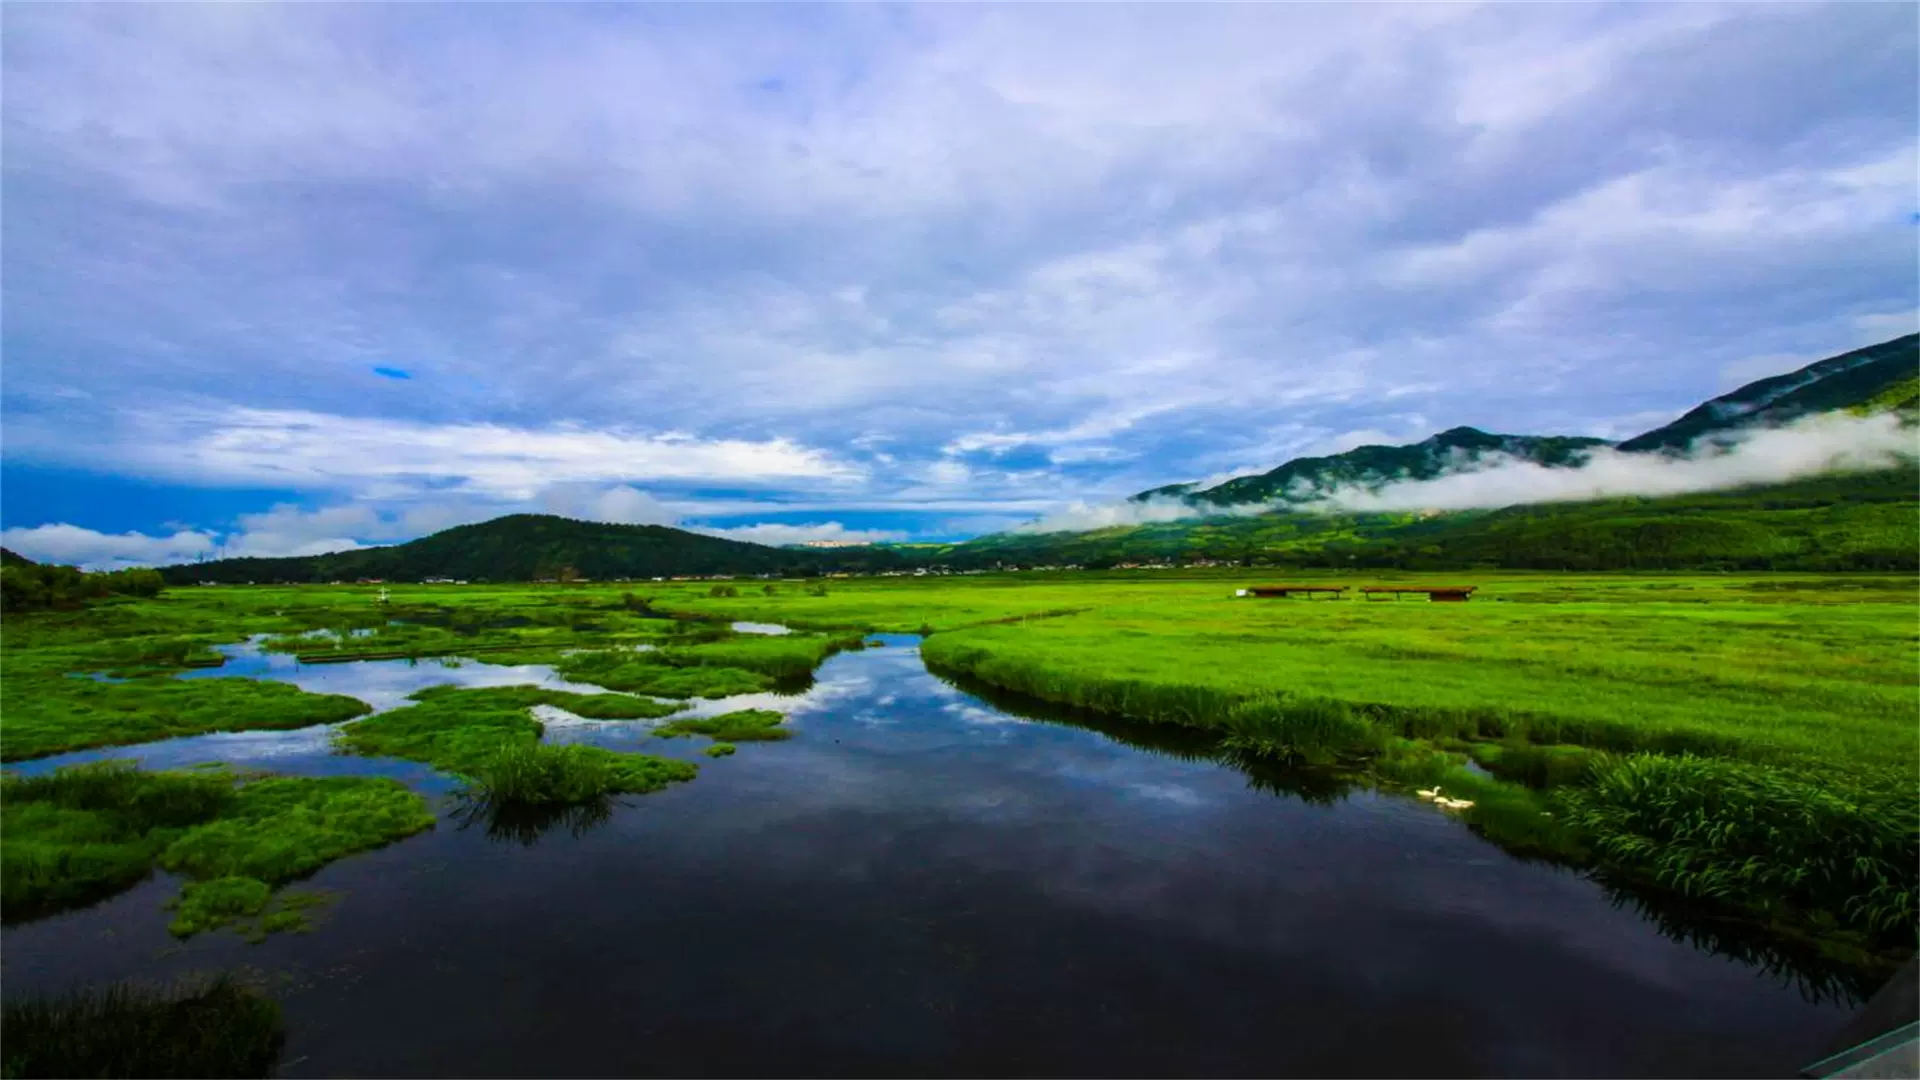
(922, 882)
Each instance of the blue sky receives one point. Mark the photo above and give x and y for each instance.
(280, 279)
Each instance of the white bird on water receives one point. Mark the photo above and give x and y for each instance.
(1433, 795)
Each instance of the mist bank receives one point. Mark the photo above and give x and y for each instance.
(1811, 446)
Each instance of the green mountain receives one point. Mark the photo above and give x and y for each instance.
(14, 558)
(1307, 480)
(1860, 521)
(525, 547)
(1886, 375)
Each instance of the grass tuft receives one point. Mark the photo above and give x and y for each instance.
(1313, 731)
(542, 774)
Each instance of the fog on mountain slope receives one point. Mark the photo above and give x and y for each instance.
(1823, 443)
(1772, 430)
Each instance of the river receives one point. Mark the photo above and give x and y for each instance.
(923, 882)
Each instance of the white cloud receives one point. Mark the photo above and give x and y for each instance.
(76, 546)
(1086, 517)
(774, 534)
(622, 504)
(320, 451)
(1182, 242)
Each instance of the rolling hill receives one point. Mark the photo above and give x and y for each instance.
(524, 547)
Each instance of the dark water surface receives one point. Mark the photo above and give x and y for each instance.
(922, 883)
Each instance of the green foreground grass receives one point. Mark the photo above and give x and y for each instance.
(213, 1029)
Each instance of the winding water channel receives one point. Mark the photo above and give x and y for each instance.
(924, 882)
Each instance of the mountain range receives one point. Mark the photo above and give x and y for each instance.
(1850, 380)
(530, 547)
(1850, 521)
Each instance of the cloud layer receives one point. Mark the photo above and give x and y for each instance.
(919, 266)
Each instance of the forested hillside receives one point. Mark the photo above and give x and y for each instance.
(526, 547)
(1862, 521)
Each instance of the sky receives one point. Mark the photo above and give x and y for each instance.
(279, 279)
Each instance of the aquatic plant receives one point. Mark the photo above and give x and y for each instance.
(539, 773)
(209, 905)
(216, 1028)
(526, 823)
(720, 749)
(745, 725)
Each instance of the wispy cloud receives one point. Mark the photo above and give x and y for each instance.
(322, 451)
(927, 258)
